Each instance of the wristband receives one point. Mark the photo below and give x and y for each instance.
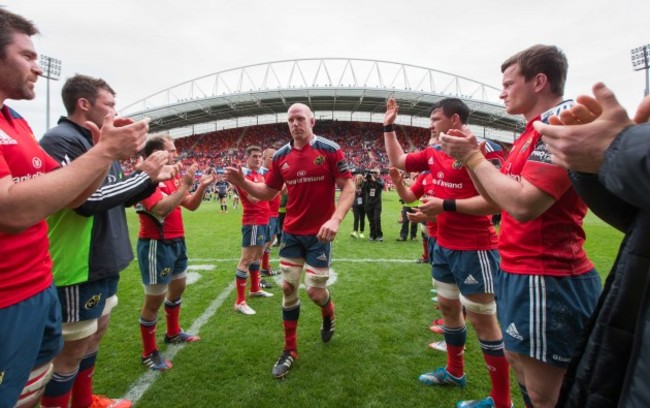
(389, 128)
(449, 205)
(474, 160)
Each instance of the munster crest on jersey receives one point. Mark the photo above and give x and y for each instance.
(320, 160)
(93, 301)
(457, 165)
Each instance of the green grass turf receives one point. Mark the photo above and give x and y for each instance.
(384, 309)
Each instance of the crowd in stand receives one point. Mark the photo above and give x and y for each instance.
(361, 141)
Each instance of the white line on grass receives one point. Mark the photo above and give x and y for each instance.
(350, 260)
(141, 385)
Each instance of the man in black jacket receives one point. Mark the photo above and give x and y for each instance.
(90, 244)
(372, 187)
(608, 158)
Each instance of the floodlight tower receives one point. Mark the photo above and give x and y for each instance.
(641, 60)
(51, 70)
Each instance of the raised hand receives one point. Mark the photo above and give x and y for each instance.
(391, 111)
(396, 176)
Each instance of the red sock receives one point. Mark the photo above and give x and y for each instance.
(82, 390)
(265, 259)
(240, 283)
(499, 371)
(328, 309)
(255, 281)
(455, 360)
(290, 324)
(290, 338)
(58, 391)
(172, 313)
(148, 333)
(425, 249)
(455, 337)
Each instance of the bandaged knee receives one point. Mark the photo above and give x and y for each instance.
(157, 289)
(79, 330)
(316, 277)
(38, 379)
(181, 275)
(489, 308)
(291, 273)
(447, 290)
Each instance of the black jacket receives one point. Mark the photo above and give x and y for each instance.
(97, 229)
(612, 365)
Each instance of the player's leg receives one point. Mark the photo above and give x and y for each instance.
(82, 390)
(174, 296)
(292, 260)
(317, 274)
(542, 318)
(156, 260)
(475, 273)
(454, 329)
(251, 248)
(30, 338)
(82, 306)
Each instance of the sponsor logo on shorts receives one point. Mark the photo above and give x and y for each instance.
(513, 332)
(165, 272)
(93, 301)
(561, 359)
(2, 376)
(322, 257)
(470, 280)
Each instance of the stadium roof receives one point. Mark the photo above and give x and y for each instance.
(338, 89)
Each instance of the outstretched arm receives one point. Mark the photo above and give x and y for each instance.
(24, 204)
(194, 200)
(519, 198)
(395, 153)
(259, 190)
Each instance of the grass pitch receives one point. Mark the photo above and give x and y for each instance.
(384, 308)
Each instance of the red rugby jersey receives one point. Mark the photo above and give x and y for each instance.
(551, 244)
(310, 174)
(424, 187)
(172, 225)
(25, 264)
(455, 230)
(254, 213)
